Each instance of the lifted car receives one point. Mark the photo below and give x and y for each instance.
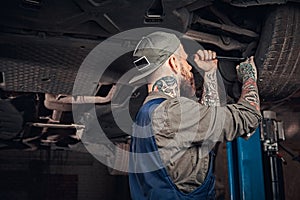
(44, 42)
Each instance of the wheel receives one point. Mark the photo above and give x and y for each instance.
(277, 56)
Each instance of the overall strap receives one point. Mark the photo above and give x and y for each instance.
(149, 178)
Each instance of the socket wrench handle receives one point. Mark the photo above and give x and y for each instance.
(230, 58)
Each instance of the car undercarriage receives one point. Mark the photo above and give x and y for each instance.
(44, 45)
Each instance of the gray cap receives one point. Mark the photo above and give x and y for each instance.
(152, 51)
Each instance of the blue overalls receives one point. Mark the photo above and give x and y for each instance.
(148, 177)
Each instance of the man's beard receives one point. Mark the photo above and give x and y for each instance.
(187, 85)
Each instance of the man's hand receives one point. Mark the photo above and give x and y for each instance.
(206, 60)
(11, 120)
(246, 70)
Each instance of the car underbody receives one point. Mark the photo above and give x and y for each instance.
(44, 43)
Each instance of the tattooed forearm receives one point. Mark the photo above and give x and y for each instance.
(249, 89)
(210, 96)
(250, 93)
(167, 85)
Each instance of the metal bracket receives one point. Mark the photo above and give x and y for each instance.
(272, 131)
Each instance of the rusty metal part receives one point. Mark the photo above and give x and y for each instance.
(227, 28)
(56, 115)
(52, 104)
(215, 40)
(60, 103)
(63, 102)
(79, 128)
(50, 120)
(65, 126)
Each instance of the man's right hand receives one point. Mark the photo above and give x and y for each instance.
(11, 121)
(246, 70)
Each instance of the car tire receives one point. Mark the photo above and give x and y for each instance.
(277, 56)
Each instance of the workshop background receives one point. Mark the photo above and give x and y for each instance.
(44, 42)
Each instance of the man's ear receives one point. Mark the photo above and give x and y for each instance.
(174, 64)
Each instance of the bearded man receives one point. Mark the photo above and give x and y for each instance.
(174, 133)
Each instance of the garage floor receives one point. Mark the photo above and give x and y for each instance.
(57, 175)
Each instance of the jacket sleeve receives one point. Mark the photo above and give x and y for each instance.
(197, 123)
(242, 119)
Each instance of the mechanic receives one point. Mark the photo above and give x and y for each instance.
(178, 127)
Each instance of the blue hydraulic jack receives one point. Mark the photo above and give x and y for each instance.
(254, 167)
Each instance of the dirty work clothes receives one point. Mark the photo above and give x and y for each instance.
(154, 183)
(186, 131)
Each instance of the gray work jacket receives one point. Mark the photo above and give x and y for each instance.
(186, 131)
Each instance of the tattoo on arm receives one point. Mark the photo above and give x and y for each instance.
(247, 70)
(250, 93)
(249, 89)
(210, 96)
(167, 85)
